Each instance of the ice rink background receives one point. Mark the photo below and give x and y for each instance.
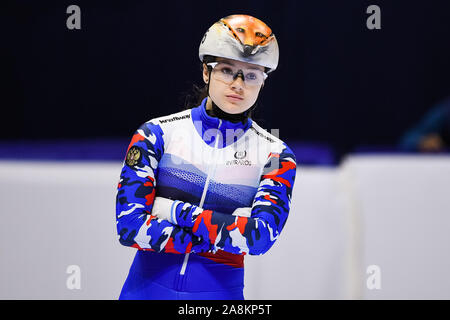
(340, 88)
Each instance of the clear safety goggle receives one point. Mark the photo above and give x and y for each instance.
(228, 73)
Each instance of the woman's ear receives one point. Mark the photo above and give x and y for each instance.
(205, 73)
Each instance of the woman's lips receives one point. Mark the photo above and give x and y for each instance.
(234, 97)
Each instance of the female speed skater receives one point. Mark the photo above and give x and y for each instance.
(201, 188)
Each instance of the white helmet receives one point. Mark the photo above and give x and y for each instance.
(243, 38)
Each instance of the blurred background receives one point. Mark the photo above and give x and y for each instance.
(367, 113)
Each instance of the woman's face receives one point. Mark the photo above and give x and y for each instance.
(233, 95)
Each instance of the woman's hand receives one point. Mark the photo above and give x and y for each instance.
(162, 208)
(243, 212)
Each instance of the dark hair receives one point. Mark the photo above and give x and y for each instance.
(195, 97)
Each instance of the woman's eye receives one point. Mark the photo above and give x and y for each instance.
(240, 30)
(227, 71)
(259, 34)
(251, 76)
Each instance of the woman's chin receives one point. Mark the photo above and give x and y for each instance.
(232, 108)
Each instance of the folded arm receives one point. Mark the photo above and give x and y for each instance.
(237, 233)
(136, 226)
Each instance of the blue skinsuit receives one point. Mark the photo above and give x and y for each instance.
(210, 167)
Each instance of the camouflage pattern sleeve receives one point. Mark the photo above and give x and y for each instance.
(136, 226)
(254, 235)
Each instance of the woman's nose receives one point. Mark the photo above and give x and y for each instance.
(238, 83)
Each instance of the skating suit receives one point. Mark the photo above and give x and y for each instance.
(208, 167)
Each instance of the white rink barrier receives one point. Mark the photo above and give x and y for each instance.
(377, 227)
